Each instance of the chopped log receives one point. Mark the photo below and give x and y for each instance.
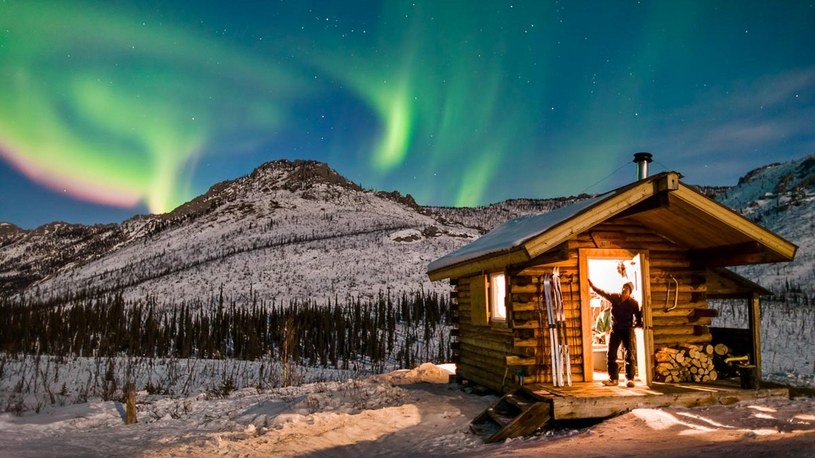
(685, 363)
(721, 349)
(737, 359)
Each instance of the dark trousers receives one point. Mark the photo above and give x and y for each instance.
(623, 336)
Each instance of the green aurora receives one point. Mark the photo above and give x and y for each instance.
(138, 104)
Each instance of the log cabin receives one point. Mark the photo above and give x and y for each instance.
(673, 243)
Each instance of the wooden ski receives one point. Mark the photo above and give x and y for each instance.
(563, 338)
(557, 372)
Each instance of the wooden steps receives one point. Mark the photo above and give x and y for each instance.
(519, 413)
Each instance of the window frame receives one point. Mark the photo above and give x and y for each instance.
(497, 297)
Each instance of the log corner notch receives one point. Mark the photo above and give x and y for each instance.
(698, 313)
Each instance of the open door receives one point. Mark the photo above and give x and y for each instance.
(609, 270)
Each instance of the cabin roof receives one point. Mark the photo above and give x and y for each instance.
(715, 235)
(726, 284)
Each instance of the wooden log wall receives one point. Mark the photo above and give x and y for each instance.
(482, 349)
(679, 310)
(531, 341)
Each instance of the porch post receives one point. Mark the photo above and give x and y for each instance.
(754, 317)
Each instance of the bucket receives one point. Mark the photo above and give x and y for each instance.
(749, 376)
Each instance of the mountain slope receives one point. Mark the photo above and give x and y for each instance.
(300, 231)
(289, 230)
(781, 197)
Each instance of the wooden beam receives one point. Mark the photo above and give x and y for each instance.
(727, 255)
(651, 203)
(585, 311)
(754, 318)
(647, 317)
(782, 249)
(489, 263)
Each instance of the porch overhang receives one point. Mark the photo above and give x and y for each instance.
(714, 235)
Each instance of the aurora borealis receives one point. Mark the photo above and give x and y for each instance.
(108, 109)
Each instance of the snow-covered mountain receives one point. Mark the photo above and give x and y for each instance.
(289, 230)
(781, 197)
(300, 231)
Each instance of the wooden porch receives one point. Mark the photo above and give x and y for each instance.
(595, 400)
(534, 406)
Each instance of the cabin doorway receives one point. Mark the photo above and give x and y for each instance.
(609, 271)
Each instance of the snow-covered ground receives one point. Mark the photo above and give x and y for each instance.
(402, 413)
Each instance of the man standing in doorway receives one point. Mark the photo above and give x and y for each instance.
(625, 316)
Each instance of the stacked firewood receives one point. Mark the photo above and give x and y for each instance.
(686, 363)
(727, 362)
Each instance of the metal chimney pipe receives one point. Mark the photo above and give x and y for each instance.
(642, 160)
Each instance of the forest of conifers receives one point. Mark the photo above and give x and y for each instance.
(374, 334)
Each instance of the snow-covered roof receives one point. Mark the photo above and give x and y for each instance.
(513, 234)
(729, 239)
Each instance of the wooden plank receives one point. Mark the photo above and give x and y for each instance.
(624, 235)
(478, 300)
(585, 311)
(754, 319)
(592, 400)
(526, 423)
(648, 334)
(784, 250)
(488, 263)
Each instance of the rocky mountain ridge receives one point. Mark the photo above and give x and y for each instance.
(298, 230)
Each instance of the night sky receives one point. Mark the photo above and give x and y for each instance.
(111, 109)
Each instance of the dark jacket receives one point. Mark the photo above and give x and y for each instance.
(625, 314)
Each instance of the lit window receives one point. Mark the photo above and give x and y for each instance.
(497, 295)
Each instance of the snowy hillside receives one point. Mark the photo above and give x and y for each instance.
(781, 197)
(290, 230)
(298, 230)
